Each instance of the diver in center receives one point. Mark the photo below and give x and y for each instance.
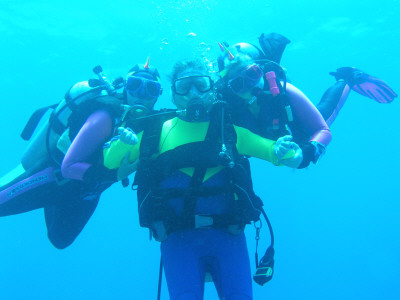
(194, 187)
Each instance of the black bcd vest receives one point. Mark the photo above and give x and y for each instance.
(152, 200)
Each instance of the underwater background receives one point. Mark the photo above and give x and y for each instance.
(336, 223)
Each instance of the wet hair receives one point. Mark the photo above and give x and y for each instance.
(181, 66)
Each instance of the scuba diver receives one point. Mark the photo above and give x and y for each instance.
(261, 99)
(193, 187)
(67, 178)
(276, 108)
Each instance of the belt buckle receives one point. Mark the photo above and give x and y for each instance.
(203, 221)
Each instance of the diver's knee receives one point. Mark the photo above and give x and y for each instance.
(59, 243)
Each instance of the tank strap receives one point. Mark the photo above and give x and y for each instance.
(33, 122)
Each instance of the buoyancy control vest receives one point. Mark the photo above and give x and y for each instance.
(275, 116)
(218, 149)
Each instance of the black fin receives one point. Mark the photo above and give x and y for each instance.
(273, 45)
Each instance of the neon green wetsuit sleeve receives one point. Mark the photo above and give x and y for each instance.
(251, 144)
(115, 153)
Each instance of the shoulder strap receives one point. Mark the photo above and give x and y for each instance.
(216, 134)
(151, 137)
(151, 127)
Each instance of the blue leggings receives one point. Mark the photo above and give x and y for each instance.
(189, 254)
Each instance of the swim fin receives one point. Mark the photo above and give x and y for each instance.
(273, 45)
(365, 84)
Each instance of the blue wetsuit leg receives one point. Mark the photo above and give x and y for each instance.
(28, 193)
(66, 219)
(332, 100)
(68, 205)
(187, 255)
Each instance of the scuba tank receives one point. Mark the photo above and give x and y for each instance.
(52, 140)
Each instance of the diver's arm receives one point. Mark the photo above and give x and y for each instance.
(311, 122)
(116, 150)
(308, 116)
(282, 152)
(92, 135)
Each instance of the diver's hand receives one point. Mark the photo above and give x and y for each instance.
(127, 136)
(283, 146)
(126, 168)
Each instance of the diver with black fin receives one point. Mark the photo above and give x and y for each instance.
(270, 111)
(275, 108)
(62, 171)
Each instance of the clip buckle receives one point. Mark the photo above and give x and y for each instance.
(203, 221)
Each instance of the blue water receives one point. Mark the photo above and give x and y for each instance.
(336, 223)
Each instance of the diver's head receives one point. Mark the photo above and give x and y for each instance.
(192, 89)
(143, 87)
(240, 72)
(242, 49)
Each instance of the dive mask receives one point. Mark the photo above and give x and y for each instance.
(183, 85)
(246, 80)
(143, 88)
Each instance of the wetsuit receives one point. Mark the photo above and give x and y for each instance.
(82, 165)
(69, 199)
(188, 253)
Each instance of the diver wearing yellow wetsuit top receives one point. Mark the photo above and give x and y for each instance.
(191, 200)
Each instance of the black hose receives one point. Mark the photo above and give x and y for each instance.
(271, 232)
(160, 280)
